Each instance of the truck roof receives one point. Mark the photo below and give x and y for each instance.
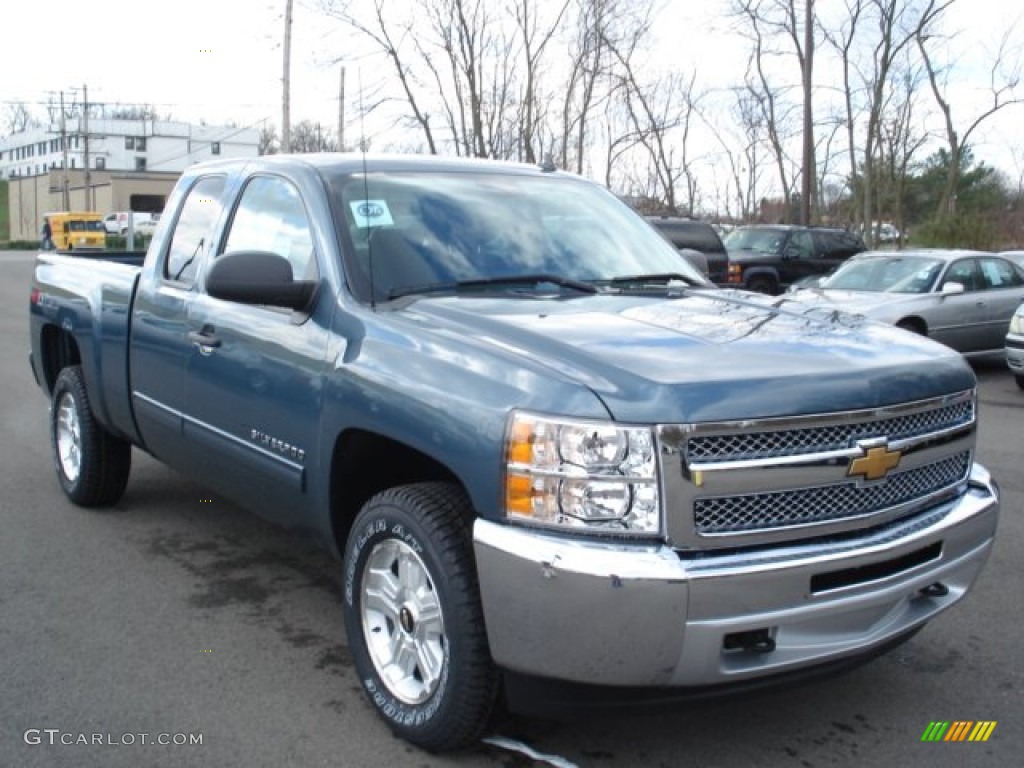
(354, 162)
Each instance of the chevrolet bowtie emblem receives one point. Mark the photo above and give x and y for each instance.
(875, 463)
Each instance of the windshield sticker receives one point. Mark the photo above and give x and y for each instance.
(371, 213)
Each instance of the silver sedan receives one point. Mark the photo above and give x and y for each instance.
(964, 299)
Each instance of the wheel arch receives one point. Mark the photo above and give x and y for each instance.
(364, 463)
(913, 323)
(59, 349)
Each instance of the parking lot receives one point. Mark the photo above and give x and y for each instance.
(176, 615)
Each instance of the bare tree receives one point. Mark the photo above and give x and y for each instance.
(387, 38)
(1004, 79)
(661, 115)
(308, 136)
(842, 40)
(535, 39)
(268, 142)
(782, 28)
(897, 25)
(768, 97)
(18, 118)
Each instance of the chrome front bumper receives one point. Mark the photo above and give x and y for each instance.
(1015, 354)
(610, 613)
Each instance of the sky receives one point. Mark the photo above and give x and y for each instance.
(221, 60)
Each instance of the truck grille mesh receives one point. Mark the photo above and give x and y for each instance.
(792, 442)
(758, 511)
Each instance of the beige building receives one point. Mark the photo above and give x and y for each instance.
(31, 197)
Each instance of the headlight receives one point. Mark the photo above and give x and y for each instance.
(581, 475)
(1017, 324)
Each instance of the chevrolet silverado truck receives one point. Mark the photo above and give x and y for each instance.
(550, 456)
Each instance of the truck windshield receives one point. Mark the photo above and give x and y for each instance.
(432, 229)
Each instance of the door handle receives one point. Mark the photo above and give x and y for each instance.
(203, 339)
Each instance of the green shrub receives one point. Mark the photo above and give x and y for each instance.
(960, 231)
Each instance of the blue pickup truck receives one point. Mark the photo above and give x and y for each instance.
(553, 460)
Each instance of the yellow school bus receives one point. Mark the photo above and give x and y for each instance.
(77, 230)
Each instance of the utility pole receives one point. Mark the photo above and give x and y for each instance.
(286, 126)
(65, 195)
(341, 113)
(807, 187)
(85, 155)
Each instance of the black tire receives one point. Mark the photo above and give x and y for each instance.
(427, 525)
(92, 465)
(762, 284)
(1020, 380)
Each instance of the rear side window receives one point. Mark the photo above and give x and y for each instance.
(999, 274)
(193, 234)
(690, 234)
(271, 217)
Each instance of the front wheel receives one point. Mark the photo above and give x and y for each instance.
(413, 616)
(762, 284)
(92, 465)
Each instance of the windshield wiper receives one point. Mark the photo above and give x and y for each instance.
(485, 282)
(659, 278)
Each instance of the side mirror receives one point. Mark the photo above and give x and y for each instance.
(258, 277)
(952, 287)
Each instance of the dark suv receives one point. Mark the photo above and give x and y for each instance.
(768, 258)
(693, 235)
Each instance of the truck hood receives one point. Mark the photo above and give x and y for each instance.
(706, 355)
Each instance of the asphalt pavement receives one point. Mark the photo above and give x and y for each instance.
(175, 618)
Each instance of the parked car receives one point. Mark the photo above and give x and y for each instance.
(1015, 256)
(117, 223)
(692, 237)
(768, 258)
(1015, 346)
(964, 299)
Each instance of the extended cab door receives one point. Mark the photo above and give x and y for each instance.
(159, 334)
(254, 376)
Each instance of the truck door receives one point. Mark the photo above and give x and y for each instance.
(253, 382)
(159, 335)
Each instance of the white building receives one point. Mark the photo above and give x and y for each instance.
(121, 145)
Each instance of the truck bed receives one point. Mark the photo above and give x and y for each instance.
(90, 295)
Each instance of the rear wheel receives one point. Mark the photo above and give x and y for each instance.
(413, 616)
(92, 465)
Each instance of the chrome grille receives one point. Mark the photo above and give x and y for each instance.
(760, 511)
(820, 438)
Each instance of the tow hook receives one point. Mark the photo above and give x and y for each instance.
(938, 589)
(754, 641)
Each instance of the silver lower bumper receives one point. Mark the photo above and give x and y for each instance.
(1015, 354)
(609, 613)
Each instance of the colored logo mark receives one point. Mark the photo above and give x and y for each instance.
(959, 730)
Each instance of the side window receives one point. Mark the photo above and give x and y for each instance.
(800, 245)
(827, 245)
(963, 271)
(271, 217)
(998, 274)
(193, 234)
